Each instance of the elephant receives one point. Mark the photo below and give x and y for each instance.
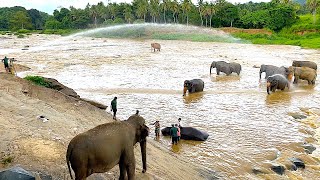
(225, 67)
(99, 149)
(309, 64)
(277, 81)
(155, 46)
(192, 86)
(304, 73)
(188, 133)
(271, 70)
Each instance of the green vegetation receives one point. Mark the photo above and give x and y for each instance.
(193, 37)
(303, 33)
(7, 160)
(38, 80)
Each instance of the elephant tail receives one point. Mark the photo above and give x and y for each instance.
(69, 151)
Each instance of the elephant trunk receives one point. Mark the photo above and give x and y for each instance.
(143, 146)
(210, 69)
(268, 87)
(185, 88)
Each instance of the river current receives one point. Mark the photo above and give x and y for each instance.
(248, 128)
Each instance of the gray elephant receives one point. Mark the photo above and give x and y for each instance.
(225, 67)
(99, 149)
(309, 64)
(271, 70)
(194, 85)
(304, 73)
(277, 81)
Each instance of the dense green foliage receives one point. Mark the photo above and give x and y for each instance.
(291, 21)
(273, 15)
(38, 80)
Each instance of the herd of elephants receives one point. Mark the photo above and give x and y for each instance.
(100, 149)
(277, 77)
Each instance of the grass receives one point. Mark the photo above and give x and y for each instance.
(7, 160)
(38, 80)
(193, 37)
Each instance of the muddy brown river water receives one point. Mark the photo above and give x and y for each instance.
(248, 128)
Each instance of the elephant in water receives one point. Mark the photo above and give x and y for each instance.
(271, 70)
(188, 133)
(304, 73)
(155, 46)
(309, 64)
(277, 81)
(194, 85)
(99, 149)
(225, 67)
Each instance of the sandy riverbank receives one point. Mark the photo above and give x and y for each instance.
(40, 146)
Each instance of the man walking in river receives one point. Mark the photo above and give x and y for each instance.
(5, 61)
(114, 107)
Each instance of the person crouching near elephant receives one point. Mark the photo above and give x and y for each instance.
(277, 81)
(100, 149)
(304, 73)
(174, 134)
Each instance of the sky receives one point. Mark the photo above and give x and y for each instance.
(49, 6)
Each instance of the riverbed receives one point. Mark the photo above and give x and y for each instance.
(248, 128)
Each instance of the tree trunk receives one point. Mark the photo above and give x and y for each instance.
(174, 18)
(231, 23)
(210, 21)
(206, 22)
(144, 17)
(95, 21)
(187, 20)
(314, 16)
(164, 17)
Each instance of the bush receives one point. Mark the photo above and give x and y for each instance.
(20, 36)
(118, 21)
(23, 31)
(108, 22)
(138, 21)
(38, 80)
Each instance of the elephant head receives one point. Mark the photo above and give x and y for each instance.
(186, 86)
(270, 84)
(142, 131)
(213, 65)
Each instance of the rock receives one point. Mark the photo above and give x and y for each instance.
(94, 103)
(256, 171)
(256, 66)
(297, 116)
(298, 162)
(279, 169)
(309, 148)
(16, 173)
(62, 88)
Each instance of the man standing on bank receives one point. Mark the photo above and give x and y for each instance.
(114, 107)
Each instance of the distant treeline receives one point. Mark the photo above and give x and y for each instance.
(273, 15)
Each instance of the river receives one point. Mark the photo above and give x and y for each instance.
(248, 128)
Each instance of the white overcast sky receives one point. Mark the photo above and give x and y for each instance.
(49, 6)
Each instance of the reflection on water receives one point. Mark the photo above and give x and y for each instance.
(246, 125)
(278, 97)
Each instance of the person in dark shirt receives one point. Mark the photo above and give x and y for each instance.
(174, 134)
(114, 107)
(5, 61)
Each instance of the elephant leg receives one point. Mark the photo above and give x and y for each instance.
(295, 81)
(218, 71)
(122, 167)
(130, 165)
(81, 173)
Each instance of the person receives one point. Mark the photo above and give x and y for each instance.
(173, 134)
(178, 132)
(137, 112)
(5, 61)
(114, 107)
(179, 122)
(157, 128)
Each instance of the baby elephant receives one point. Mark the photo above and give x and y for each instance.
(276, 81)
(155, 46)
(304, 73)
(309, 64)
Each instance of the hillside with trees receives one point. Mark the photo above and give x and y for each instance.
(276, 16)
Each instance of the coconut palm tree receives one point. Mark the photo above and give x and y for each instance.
(200, 10)
(154, 9)
(142, 9)
(94, 13)
(175, 10)
(186, 7)
(313, 6)
(127, 12)
(165, 6)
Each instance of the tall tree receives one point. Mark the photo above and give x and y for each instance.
(154, 9)
(313, 6)
(175, 10)
(165, 6)
(200, 10)
(93, 11)
(128, 13)
(186, 7)
(20, 20)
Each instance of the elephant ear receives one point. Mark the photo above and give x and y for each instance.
(144, 132)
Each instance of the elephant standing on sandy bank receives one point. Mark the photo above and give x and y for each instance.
(194, 85)
(271, 70)
(99, 149)
(155, 46)
(277, 81)
(309, 64)
(225, 67)
(304, 73)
